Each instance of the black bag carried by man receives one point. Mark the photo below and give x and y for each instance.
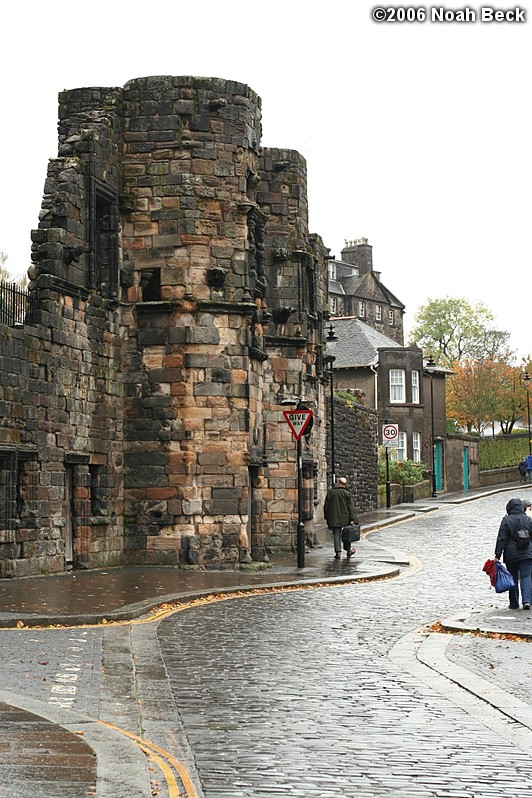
(350, 534)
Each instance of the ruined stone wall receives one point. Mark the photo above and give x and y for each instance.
(60, 440)
(77, 237)
(61, 492)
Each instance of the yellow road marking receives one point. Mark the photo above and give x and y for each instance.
(415, 566)
(152, 750)
(168, 773)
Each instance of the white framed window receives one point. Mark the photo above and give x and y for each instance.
(415, 387)
(391, 318)
(362, 309)
(334, 305)
(332, 270)
(399, 453)
(401, 446)
(416, 447)
(378, 312)
(397, 386)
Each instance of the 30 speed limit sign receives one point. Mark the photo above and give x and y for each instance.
(390, 434)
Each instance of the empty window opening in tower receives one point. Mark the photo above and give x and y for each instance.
(151, 285)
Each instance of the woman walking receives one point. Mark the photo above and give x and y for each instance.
(514, 540)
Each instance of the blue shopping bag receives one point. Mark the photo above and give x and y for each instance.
(503, 578)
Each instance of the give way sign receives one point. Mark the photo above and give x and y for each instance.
(298, 421)
(390, 434)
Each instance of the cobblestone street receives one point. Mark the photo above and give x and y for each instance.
(295, 694)
(328, 691)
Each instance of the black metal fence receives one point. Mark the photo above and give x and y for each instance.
(15, 304)
(8, 493)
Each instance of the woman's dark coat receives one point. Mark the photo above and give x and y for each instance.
(515, 519)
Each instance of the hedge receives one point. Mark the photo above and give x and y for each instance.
(503, 451)
(404, 472)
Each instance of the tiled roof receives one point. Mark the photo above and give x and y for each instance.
(358, 343)
(353, 284)
(392, 298)
(336, 288)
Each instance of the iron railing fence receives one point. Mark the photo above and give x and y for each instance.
(15, 304)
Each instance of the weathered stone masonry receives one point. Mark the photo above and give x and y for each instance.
(355, 447)
(178, 297)
(60, 439)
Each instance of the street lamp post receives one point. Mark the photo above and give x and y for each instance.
(331, 347)
(526, 378)
(429, 371)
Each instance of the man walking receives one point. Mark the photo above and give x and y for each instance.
(339, 510)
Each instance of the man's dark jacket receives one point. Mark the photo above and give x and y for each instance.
(339, 507)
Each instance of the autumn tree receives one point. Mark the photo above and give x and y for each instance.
(452, 329)
(471, 399)
(482, 392)
(511, 396)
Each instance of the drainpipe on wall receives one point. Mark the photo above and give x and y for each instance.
(374, 370)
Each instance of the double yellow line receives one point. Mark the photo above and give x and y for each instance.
(167, 763)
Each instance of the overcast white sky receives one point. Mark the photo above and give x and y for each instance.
(417, 136)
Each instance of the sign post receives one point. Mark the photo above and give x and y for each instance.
(298, 421)
(390, 438)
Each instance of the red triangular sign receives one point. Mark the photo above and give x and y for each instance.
(298, 421)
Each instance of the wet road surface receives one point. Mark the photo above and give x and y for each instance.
(329, 691)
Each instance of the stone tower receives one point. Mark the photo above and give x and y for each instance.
(186, 246)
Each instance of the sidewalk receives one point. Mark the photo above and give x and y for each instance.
(125, 593)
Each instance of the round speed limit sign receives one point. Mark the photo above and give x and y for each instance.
(390, 434)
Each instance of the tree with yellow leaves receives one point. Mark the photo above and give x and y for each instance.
(482, 392)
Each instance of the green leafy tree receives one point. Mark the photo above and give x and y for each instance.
(452, 329)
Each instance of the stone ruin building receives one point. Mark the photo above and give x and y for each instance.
(175, 298)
